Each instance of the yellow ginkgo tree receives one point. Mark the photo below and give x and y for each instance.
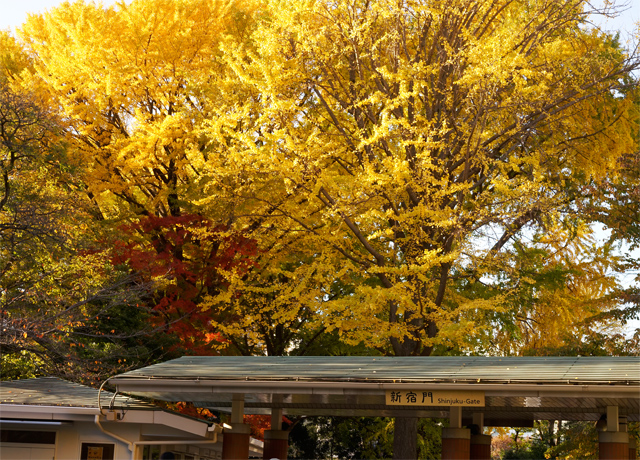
(403, 141)
(133, 84)
(54, 292)
(367, 150)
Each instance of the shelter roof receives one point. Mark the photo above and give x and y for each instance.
(473, 369)
(52, 391)
(515, 390)
(50, 399)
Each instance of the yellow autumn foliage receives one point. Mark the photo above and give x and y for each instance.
(134, 81)
(408, 140)
(377, 151)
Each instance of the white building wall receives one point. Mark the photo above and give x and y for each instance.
(70, 439)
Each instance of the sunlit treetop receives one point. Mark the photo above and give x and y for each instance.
(133, 82)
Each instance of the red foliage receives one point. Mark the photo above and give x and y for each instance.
(259, 423)
(190, 252)
(187, 408)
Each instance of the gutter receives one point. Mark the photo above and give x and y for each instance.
(53, 412)
(216, 430)
(152, 385)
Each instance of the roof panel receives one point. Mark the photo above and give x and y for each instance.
(603, 370)
(519, 388)
(52, 391)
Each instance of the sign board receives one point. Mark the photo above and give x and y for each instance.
(94, 453)
(434, 398)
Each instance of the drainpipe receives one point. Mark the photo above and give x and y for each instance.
(133, 445)
(108, 433)
(129, 444)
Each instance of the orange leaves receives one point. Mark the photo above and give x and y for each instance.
(189, 409)
(260, 423)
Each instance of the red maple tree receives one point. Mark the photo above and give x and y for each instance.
(188, 256)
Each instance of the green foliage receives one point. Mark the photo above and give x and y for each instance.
(560, 291)
(121, 338)
(21, 365)
(572, 440)
(576, 440)
(54, 291)
(357, 438)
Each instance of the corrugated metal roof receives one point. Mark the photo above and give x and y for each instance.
(591, 370)
(517, 389)
(52, 391)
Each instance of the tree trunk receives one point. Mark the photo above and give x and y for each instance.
(405, 436)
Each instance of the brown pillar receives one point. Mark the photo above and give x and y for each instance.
(480, 447)
(613, 445)
(235, 442)
(456, 444)
(276, 444)
(633, 449)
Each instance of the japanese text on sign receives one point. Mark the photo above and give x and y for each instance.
(434, 398)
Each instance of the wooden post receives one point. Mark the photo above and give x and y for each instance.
(235, 440)
(613, 444)
(480, 448)
(456, 441)
(456, 444)
(276, 440)
(276, 444)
